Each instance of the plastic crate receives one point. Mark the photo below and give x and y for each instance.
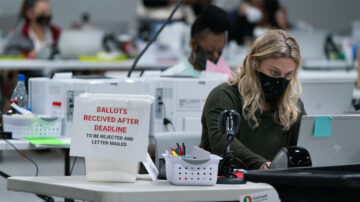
(187, 171)
(25, 126)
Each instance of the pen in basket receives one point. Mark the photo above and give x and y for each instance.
(179, 151)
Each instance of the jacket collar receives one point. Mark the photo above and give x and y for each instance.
(54, 31)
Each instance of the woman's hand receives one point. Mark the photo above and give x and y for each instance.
(265, 166)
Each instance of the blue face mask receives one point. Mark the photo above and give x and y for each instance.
(273, 88)
(202, 56)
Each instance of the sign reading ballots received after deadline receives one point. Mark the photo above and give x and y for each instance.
(111, 126)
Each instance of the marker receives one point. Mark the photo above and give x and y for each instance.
(174, 153)
(181, 151)
(179, 147)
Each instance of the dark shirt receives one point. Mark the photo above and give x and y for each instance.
(252, 146)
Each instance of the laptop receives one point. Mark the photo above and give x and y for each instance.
(342, 147)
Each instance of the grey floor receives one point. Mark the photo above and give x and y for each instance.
(50, 162)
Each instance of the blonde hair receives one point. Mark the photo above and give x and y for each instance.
(273, 44)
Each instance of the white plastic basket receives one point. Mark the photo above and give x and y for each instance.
(22, 126)
(187, 171)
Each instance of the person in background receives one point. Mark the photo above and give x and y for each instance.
(255, 17)
(165, 7)
(153, 13)
(208, 39)
(266, 94)
(36, 36)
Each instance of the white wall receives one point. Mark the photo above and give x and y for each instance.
(103, 12)
(333, 15)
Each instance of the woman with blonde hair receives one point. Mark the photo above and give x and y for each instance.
(266, 94)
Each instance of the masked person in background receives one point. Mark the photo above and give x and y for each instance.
(208, 39)
(266, 94)
(35, 37)
(255, 17)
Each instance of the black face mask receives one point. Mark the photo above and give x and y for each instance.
(202, 56)
(273, 88)
(43, 20)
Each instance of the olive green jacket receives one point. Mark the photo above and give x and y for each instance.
(252, 146)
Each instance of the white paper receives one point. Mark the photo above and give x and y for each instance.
(63, 75)
(151, 168)
(111, 128)
(199, 153)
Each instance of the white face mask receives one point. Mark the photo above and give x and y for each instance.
(258, 31)
(253, 14)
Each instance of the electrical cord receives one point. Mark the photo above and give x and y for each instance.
(166, 121)
(25, 156)
(164, 108)
(171, 123)
(238, 160)
(241, 162)
(4, 175)
(141, 73)
(154, 37)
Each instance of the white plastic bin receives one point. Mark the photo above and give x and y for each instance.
(107, 170)
(110, 163)
(188, 171)
(25, 126)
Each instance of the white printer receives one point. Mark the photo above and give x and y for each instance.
(178, 101)
(43, 92)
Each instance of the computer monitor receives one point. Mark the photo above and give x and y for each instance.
(74, 43)
(311, 43)
(341, 148)
(327, 93)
